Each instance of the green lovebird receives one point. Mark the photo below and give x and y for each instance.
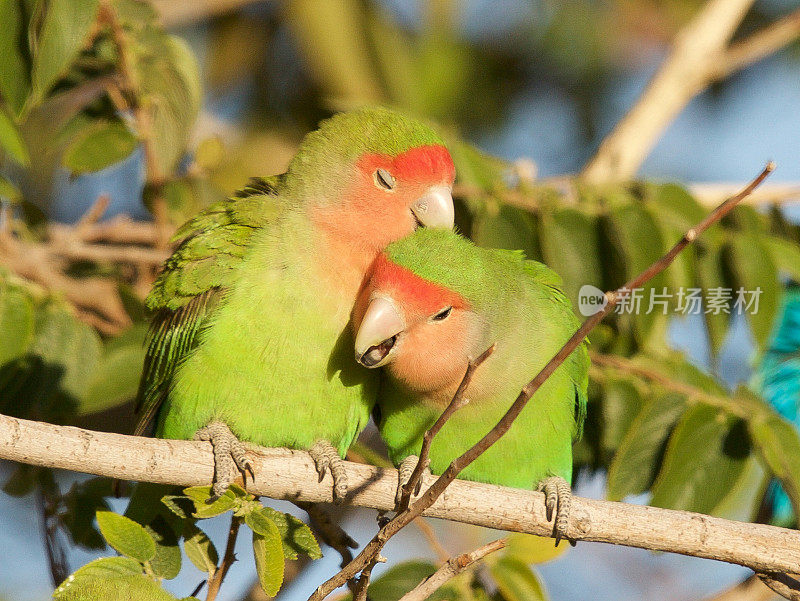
(434, 300)
(250, 338)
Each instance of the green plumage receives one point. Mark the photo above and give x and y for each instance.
(523, 309)
(245, 330)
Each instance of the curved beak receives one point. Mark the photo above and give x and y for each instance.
(435, 208)
(378, 332)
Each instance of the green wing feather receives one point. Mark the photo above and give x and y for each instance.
(211, 247)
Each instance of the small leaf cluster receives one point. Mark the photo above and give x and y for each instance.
(149, 535)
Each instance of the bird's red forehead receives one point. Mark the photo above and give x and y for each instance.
(415, 293)
(431, 163)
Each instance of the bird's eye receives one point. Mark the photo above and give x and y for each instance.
(443, 314)
(384, 179)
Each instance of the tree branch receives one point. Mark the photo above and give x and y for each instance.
(699, 56)
(451, 569)
(291, 475)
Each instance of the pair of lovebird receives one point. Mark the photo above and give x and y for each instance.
(259, 310)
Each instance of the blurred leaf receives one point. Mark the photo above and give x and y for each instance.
(332, 37)
(705, 457)
(570, 247)
(529, 549)
(637, 459)
(16, 321)
(169, 82)
(81, 503)
(622, 402)
(126, 536)
(709, 271)
(296, 535)
(785, 254)
(400, 579)
(100, 145)
(9, 191)
(11, 140)
(116, 378)
(21, 482)
(777, 443)
(268, 553)
(200, 550)
(14, 67)
(66, 27)
(753, 269)
(510, 228)
(209, 153)
(516, 581)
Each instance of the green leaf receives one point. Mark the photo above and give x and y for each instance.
(268, 553)
(126, 536)
(167, 561)
(8, 191)
(637, 459)
(14, 68)
(529, 548)
(705, 457)
(16, 321)
(400, 579)
(103, 568)
(777, 443)
(202, 494)
(753, 269)
(200, 550)
(785, 254)
(64, 32)
(710, 275)
(516, 581)
(134, 588)
(506, 227)
(99, 146)
(169, 80)
(569, 241)
(295, 534)
(11, 141)
(622, 402)
(115, 380)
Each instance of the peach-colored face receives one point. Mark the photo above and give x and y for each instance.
(382, 204)
(435, 333)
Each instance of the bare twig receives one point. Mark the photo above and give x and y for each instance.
(430, 536)
(403, 518)
(292, 475)
(786, 585)
(758, 46)
(227, 560)
(451, 569)
(699, 56)
(456, 403)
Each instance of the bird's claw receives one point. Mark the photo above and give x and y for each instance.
(326, 457)
(230, 456)
(404, 473)
(558, 502)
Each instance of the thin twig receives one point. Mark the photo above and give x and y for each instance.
(451, 569)
(402, 519)
(455, 404)
(227, 559)
(758, 45)
(433, 542)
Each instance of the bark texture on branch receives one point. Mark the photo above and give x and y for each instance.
(291, 475)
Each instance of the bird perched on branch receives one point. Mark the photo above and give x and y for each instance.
(250, 340)
(433, 301)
